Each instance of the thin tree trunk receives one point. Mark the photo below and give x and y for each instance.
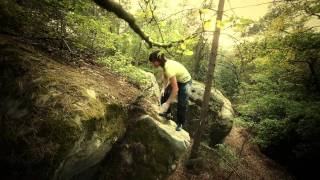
(197, 56)
(207, 92)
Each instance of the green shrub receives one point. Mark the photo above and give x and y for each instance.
(121, 64)
(227, 157)
(271, 132)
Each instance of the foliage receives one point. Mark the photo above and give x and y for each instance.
(226, 76)
(226, 157)
(90, 32)
(274, 79)
(121, 65)
(271, 132)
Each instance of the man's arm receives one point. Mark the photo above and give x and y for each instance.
(165, 82)
(174, 85)
(175, 89)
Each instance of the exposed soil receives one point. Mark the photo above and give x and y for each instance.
(115, 84)
(253, 164)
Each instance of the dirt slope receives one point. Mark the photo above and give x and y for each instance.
(254, 164)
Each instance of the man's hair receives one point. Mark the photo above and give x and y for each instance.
(157, 55)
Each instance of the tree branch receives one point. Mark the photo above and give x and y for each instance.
(117, 9)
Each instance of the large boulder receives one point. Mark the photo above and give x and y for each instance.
(56, 120)
(220, 114)
(151, 150)
(150, 88)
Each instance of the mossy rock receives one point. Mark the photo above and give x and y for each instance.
(150, 150)
(56, 120)
(220, 113)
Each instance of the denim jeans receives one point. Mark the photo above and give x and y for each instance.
(182, 100)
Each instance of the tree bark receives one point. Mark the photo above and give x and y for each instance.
(209, 78)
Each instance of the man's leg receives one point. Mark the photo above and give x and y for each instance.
(182, 105)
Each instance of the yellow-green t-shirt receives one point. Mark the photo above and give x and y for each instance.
(174, 68)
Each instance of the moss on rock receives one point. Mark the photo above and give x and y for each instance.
(150, 150)
(56, 120)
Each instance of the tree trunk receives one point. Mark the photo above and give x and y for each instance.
(207, 92)
(198, 56)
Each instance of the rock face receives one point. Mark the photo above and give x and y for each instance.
(150, 150)
(56, 120)
(220, 113)
(151, 88)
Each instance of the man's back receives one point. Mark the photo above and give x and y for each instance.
(174, 68)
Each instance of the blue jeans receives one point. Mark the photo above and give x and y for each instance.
(182, 100)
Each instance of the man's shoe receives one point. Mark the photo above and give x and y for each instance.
(179, 127)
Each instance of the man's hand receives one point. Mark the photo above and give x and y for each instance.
(164, 107)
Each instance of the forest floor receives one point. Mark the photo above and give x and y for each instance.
(251, 163)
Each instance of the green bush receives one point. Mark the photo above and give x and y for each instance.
(227, 157)
(121, 64)
(271, 132)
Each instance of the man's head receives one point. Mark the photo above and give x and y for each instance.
(157, 58)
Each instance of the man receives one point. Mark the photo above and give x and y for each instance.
(176, 81)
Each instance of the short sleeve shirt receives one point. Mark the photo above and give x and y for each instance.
(174, 68)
